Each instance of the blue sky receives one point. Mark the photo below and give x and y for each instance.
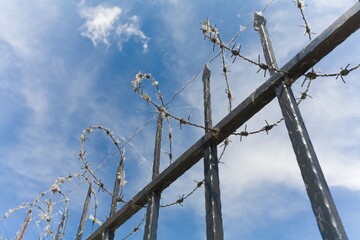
(65, 66)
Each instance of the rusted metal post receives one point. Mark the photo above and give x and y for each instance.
(323, 206)
(214, 227)
(152, 214)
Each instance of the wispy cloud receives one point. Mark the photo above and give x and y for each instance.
(131, 29)
(99, 23)
(102, 25)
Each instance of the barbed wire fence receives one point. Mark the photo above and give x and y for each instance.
(53, 223)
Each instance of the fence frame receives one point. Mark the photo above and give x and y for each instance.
(330, 38)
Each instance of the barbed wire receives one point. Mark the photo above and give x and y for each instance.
(183, 197)
(161, 108)
(46, 212)
(136, 229)
(301, 5)
(87, 167)
(342, 73)
(211, 33)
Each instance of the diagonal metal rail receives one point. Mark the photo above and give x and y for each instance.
(334, 35)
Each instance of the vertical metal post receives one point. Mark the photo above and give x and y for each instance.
(323, 206)
(214, 227)
(152, 214)
(110, 233)
(84, 214)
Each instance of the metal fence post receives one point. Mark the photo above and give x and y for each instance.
(84, 214)
(323, 206)
(214, 228)
(110, 233)
(152, 214)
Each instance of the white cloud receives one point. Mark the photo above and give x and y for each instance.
(131, 29)
(102, 24)
(99, 23)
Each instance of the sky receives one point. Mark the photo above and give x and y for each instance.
(68, 65)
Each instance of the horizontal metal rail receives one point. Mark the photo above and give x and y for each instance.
(334, 35)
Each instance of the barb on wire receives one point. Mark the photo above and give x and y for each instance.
(183, 197)
(225, 70)
(224, 146)
(301, 5)
(342, 73)
(136, 229)
(170, 135)
(267, 128)
(304, 95)
(263, 66)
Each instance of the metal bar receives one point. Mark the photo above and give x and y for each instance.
(335, 34)
(61, 228)
(214, 226)
(84, 214)
(152, 214)
(110, 233)
(322, 203)
(260, 27)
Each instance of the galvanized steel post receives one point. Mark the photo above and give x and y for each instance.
(152, 214)
(84, 214)
(323, 206)
(214, 228)
(110, 233)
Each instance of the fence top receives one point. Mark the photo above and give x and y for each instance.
(334, 35)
